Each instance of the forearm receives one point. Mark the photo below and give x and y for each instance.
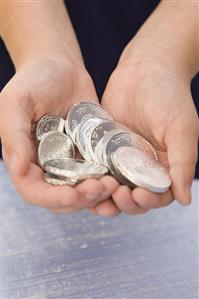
(32, 29)
(171, 34)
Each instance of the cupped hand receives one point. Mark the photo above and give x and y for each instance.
(156, 103)
(45, 85)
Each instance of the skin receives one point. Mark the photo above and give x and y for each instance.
(31, 86)
(50, 76)
(150, 84)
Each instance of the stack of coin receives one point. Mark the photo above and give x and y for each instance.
(104, 145)
(56, 154)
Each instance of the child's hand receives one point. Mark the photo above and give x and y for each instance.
(40, 87)
(157, 104)
(150, 93)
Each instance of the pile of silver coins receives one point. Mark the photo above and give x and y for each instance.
(105, 146)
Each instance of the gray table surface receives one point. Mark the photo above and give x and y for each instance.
(85, 256)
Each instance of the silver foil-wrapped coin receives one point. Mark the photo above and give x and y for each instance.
(75, 168)
(140, 169)
(79, 112)
(49, 123)
(55, 145)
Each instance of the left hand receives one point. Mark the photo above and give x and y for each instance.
(156, 103)
(150, 93)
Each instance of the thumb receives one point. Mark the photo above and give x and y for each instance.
(15, 130)
(182, 156)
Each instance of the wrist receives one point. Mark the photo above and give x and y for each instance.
(136, 57)
(59, 58)
(168, 37)
(38, 29)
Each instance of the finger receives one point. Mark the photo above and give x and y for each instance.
(92, 191)
(15, 132)
(36, 191)
(148, 200)
(124, 201)
(110, 184)
(182, 156)
(107, 208)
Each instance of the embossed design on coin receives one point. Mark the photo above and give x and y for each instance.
(49, 123)
(99, 132)
(140, 169)
(55, 145)
(127, 139)
(80, 111)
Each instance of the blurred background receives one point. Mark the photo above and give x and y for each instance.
(114, 23)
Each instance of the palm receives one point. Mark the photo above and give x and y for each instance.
(52, 87)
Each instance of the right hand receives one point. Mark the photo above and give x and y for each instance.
(45, 85)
